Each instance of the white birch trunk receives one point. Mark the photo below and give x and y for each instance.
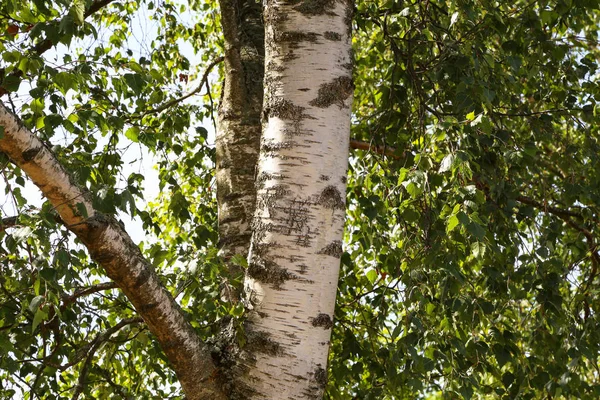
(301, 183)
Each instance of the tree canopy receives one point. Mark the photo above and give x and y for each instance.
(470, 264)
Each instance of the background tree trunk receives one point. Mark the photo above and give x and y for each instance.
(297, 232)
(239, 127)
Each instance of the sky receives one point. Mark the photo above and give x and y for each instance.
(136, 158)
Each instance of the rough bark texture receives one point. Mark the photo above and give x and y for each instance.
(111, 247)
(296, 247)
(239, 127)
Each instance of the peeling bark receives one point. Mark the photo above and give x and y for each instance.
(111, 247)
(295, 252)
(239, 126)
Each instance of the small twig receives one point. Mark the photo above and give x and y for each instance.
(171, 103)
(84, 291)
(8, 222)
(96, 343)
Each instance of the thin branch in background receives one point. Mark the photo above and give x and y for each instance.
(84, 291)
(8, 222)
(96, 343)
(46, 44)
(173, 102)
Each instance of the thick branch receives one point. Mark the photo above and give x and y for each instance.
(112, 248)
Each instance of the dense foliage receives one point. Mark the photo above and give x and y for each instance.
(471, 258)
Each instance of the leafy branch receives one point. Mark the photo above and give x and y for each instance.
(46, 44)
(93, 347)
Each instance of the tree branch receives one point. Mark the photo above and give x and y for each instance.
(8, 222)
(171, 103)
(80, 292)
(45, 45)
(567, 216)
(382, 150)
(112, 248)
(95, 344)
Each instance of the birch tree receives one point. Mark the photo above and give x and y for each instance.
(469, 257)
(306, 117)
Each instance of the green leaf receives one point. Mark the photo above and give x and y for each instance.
(65, 81)
(82, 210)
(446, 163)
(35, 303)
(135, 82)
(77, 11)
(133, 134)
(39, 316)
(452, 223)
(371, 274)
(478, 249)
(471, 116)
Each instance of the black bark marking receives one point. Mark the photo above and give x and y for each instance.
(285, 109)
(30, 154)
(147, 307)
(331, 197)
(324, 178)
(293, 38)
(261, 342)
(333, 249)
(142, 278)
(321, 377)
(298, 213)
(314, 7)
(334, 36)
(322, 320)
(334, 92)
(303, 269)
(269, 272)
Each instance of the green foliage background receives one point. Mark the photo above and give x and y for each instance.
(471, 258)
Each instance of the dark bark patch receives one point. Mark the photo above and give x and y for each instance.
(303, 269)
(272, 146)
(285, 109)
(321, 377)
(30, 154)
(324, 178)
(331, 197)
(314, 7)
(334, 36)
(322, 320)
(147, 307)
(344, 179)
(334, 92)
(142, 278)
(333, 249)
(293, 38)
(269, 272)
(267, 176)
(260, 342)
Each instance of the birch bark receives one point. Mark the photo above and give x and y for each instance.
(290, 286)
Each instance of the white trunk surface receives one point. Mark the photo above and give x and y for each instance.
(301, 185)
